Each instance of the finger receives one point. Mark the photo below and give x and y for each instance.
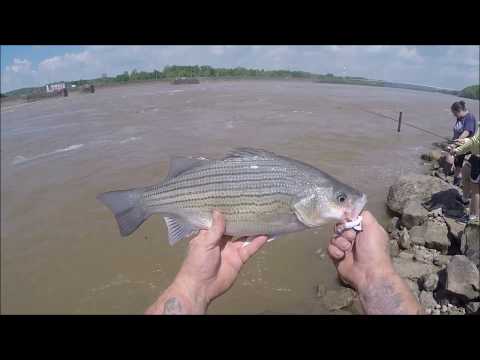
(335, 253)
(342, 243)
(216, 231)
(368, 219)
(256, 244)
(348, 234)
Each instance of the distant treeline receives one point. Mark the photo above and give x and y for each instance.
(172, 72)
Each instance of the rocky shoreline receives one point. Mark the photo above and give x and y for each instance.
(434, 253)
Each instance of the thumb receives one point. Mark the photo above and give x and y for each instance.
(216, 231)
(368, 219)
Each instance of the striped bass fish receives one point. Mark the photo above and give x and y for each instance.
(257, 191)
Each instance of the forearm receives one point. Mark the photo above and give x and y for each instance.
(464, 134)
(388, 294)
(180, 298)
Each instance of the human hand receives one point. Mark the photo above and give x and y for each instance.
(213, 262)
(363, 256)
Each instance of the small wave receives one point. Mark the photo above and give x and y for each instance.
(130, 139)
(19, 159)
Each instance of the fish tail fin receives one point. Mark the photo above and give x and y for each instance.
(127, 208)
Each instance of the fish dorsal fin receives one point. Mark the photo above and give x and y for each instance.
(246, 152)
(178, 229)
(180, 164)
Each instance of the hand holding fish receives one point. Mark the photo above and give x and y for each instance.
(210, 269)
(362, 260)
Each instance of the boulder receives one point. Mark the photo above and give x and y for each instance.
(427, 300)
(394, 249)
(393, 224)
(417, 235)
(413, 214)
(423, 254)
(407, 255)
(470, 243)
(413, 187)
(338, 299)
(404, 239)
(436, 236)
(429, 282)
(463, 278)
(412, 270)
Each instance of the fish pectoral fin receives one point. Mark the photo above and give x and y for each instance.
(180, 164)
(178, 229)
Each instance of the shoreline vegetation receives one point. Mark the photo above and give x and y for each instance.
(170, 73)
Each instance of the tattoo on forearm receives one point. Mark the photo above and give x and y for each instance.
(173, 306)
(382, 298)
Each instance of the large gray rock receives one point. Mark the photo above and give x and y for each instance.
(417, 235)
(429, 282)
(413, 214)
(338, 299)
(427, 300)
(404, 239)
(413, 270)
(436, 236)
(413, 187)
(423, 254)
(441, 260)
(463, 278)
(470, 243)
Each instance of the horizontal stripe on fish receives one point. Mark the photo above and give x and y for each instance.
(200, 174)
(219, 195)
(223, 182)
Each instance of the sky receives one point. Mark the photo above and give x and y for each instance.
(451, 67)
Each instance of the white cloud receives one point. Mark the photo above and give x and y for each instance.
(445, 66)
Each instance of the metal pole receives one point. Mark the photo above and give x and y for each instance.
(399, 121)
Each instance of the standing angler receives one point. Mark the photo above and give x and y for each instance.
(257, 191)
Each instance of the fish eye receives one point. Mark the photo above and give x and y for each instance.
(341, 197)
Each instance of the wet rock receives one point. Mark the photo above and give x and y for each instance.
(393, 224)
(412, 269)
(427, 300)
(394, 249)
(473, 307)
(413, 187)
(413, 214)
(436, 236)
(470, 243)
(404, 239)
(338, 299)
(429, 282)
(417, 235)
(463, 278)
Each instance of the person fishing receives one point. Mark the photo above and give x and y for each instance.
(471, 172)
(361, 258)
(464, 127)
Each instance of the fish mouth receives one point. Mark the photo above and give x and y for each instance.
(358, 206)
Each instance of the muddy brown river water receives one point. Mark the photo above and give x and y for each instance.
(61, 252)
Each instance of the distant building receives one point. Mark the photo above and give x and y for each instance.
(55, 87)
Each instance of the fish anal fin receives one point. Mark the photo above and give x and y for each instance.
(178, 229)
